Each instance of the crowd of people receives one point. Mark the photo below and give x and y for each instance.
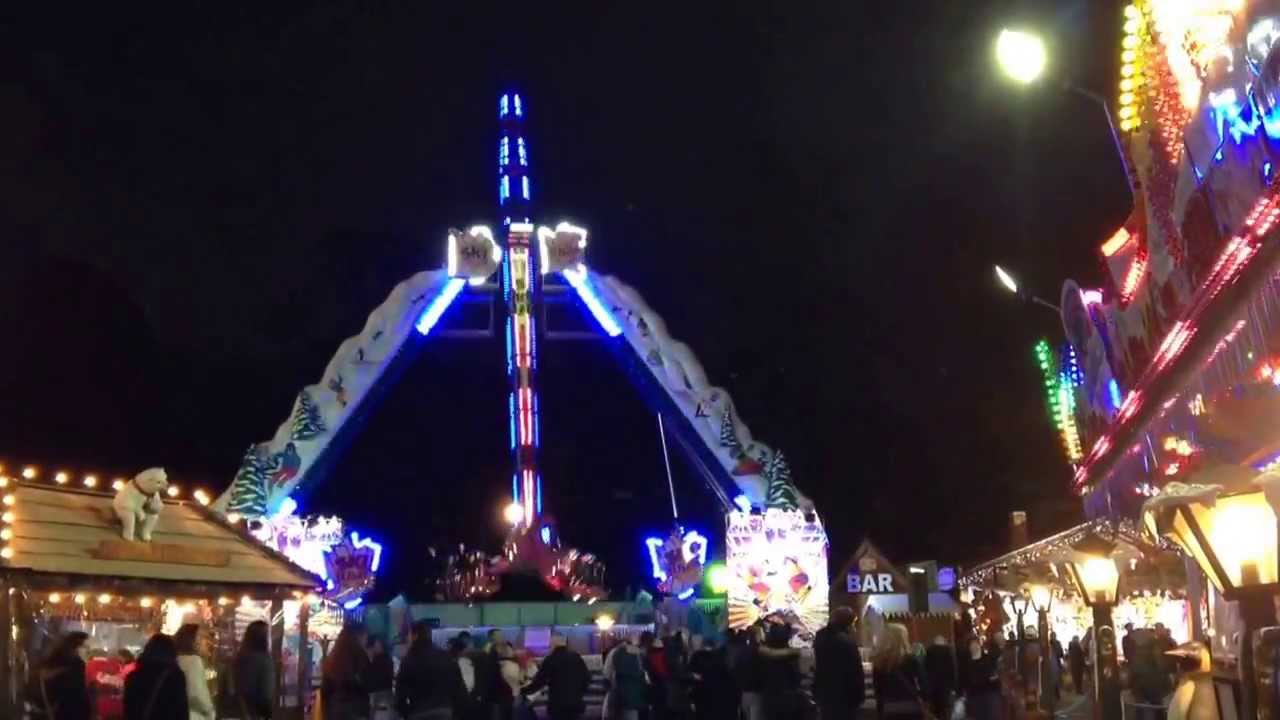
(167, 680)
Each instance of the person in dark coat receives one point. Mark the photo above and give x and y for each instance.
(940, 673)
(780, 676)
(57, 689)
(715, 695)
(254, 674)
(380, 674)
(157, 689)
(429, 685)
(654, 658)
(981, 682)
(838, 682)
(342, 687)
(565, 675)
(679, 702)
(1075, 661)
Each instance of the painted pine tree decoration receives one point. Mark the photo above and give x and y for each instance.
(729, 434)
(249, 489)
(781, 494)
(307, 423)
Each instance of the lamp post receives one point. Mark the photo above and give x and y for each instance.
(1011, 284)
(1233, 538)
(1042, 602)
(1020, 633)
(1022, 57)
(1097, 578)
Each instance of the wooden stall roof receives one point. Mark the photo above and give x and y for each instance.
(67, 531)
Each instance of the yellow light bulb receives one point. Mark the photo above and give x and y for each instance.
(233, 518)
(6, 534)
(117, 484)
(61, 478)
(1129, 43)
(1131, 26)
(224, 601)
(172, 491)
(80, 598)
(1126, 112)
(1127, 98)
(1128, 56)
(4, 481)
(104, 598)
(245, 600)
(1126, 70)
(55, 598)
(90, 481)
(7, 517)
(201, 497)
(30, 472)
(6, 552)
(145, 602)
(9, 499)
(1132, 11)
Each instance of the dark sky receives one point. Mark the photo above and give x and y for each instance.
(198, 204)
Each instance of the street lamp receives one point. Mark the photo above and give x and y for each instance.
(1011, 284)
(1233, 538)
(1021, 55)
(513, 514)
(1042, 602)
(1019, 629)
(1097, 578)
(1022, 58)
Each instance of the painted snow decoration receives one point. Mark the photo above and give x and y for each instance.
(473, 254)
(710, 409)
(563, 248)
(270, 471)
(138, 504)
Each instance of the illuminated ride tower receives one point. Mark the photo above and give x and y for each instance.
(522, 296)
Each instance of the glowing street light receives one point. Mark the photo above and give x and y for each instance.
(1011, 284)
(1021, 55)
(1096, 577)
(1007, 280)
(513, 514)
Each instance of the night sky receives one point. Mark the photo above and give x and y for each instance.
(200, 203)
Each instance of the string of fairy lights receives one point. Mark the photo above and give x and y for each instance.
(1061, 377)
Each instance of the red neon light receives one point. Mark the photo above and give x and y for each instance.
(526, 416)
(1116, 243)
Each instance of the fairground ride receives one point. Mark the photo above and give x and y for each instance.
(776, 545)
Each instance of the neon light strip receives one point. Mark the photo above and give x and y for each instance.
(439, 304)
(582, 284)
(358, 542)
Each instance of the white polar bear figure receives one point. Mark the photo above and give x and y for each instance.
(138, 503)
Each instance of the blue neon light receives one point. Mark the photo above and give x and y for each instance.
(537, 486)
(524, 181)
(358, 543)
(439, 304)
(504, 151)
(545, 534)
(1217, 157)
(685, 594)
(1266, 172)
(1113, 389)
(742, 502)
(504, 190)
(521, 152)
(537, 434)
(511, 407)
(502, 106)
(287, 507)
(510, 354)
(582, 284)
(519, 110)
(515, 486)
(690, 539)
(352, 604)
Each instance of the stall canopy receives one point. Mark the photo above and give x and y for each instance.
(63, 533)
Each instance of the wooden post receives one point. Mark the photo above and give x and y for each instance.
(277, 646)
(6, 648)
(304, 656)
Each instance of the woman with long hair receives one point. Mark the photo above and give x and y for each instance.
(156, 690)
(898, 677)
(56, 689)
(342, 684)
(190, 641)
(254, 674)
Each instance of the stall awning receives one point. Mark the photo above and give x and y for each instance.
(61, 531)
(900, 604)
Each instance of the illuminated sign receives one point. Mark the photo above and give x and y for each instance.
(871, 583)
(346, 562)
(777, 565)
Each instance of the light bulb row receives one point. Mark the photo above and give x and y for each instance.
(1132, 77)
(91, 481)
(84, 598)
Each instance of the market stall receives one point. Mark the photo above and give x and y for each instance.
(69, 562)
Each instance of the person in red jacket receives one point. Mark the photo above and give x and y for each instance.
(105, 678)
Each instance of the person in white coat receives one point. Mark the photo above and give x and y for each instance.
(192, 641)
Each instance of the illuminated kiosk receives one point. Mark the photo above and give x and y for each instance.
(1167, 390)
(530, 261)
(65, 567)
